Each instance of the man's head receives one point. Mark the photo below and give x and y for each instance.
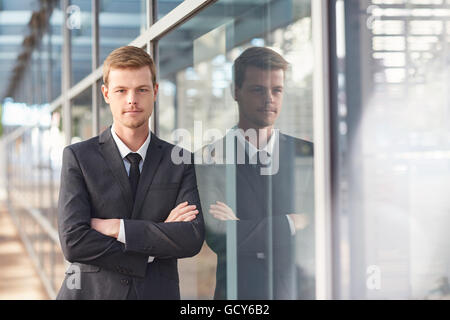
(258, 78)
(130, 86)
(128, 57)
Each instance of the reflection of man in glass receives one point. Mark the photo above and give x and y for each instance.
(260, 224)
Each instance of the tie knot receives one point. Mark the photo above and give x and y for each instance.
(133, 158)
(263, 158)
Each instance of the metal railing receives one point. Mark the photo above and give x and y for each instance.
(32, 164)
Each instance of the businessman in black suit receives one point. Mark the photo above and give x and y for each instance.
(126, 211)
(258, 192)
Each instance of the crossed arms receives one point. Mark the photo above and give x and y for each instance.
(87, 240)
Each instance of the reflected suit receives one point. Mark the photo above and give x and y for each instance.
(260, 246)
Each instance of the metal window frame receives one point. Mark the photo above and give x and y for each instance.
(66, 69)
(170, 21)
(322, 147)
(95, 8)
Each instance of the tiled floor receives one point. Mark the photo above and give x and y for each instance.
(18, 277)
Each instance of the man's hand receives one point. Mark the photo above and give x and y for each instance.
(222, 212)
(182, 212)
(301, 220)
(108, 227)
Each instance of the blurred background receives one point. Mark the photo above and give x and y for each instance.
(368, 83)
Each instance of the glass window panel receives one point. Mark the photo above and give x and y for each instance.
(264, 254)
(56, 144)
(120, 22)
(82, 116)
(79, 23)
(425, 27)
(38, 82)
(388, 43)
(391, 162)
(54, 36)
(388, 1)
(389, 27)
(426, 1)
(165, 6)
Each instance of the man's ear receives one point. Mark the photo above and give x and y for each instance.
(105, 93)
(233, 90)
(155, 90)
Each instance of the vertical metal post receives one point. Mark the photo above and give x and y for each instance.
(29, 82)
(357, 85)
(9, 172)
(95, 64)
(322, 173)
(49, 65)
(40, 78)
(152, 49)
(40, 102)
(66, 74)
(23, 95)
(231, 233)
(48, 164)
(155, 116)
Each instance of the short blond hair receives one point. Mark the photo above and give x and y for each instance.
(128, 57)
(260, 57)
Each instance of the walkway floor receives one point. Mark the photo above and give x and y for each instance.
(18, 277)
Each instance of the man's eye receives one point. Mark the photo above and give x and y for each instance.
(143, 90)
(120, 91)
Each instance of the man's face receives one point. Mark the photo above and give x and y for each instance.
(131, 95)
(260, 97)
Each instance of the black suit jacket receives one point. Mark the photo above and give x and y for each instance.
(94, 184)
(268, 262)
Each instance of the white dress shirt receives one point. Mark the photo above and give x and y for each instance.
(124, 151)
(252, 150)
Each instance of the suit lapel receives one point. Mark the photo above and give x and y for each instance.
(283, 176)
(283, 188)
(151, 163)
(245, 174)
(112, 158)
(258, 184)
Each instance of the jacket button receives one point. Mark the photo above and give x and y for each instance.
(125, 282)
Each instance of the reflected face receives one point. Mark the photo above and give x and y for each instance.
(131, 96)
(260, 97)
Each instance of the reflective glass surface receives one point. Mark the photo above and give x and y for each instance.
(260, 226)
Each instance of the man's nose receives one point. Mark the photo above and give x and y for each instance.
(268, 96)
(131, 98)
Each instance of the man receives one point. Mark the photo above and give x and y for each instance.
(126, 211)
(260, 219)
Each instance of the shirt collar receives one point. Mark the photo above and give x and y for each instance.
(251, 148)
(124, 150)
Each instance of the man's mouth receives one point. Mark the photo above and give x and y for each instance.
(265, 110)
(132, 111)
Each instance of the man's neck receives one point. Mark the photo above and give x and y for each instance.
(133, 138)
(263, 134)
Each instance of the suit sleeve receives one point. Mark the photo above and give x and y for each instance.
(251, 235)
(172, 239)
(81, 243)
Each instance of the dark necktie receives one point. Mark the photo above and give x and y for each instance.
(134, 159)
(264, 160)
